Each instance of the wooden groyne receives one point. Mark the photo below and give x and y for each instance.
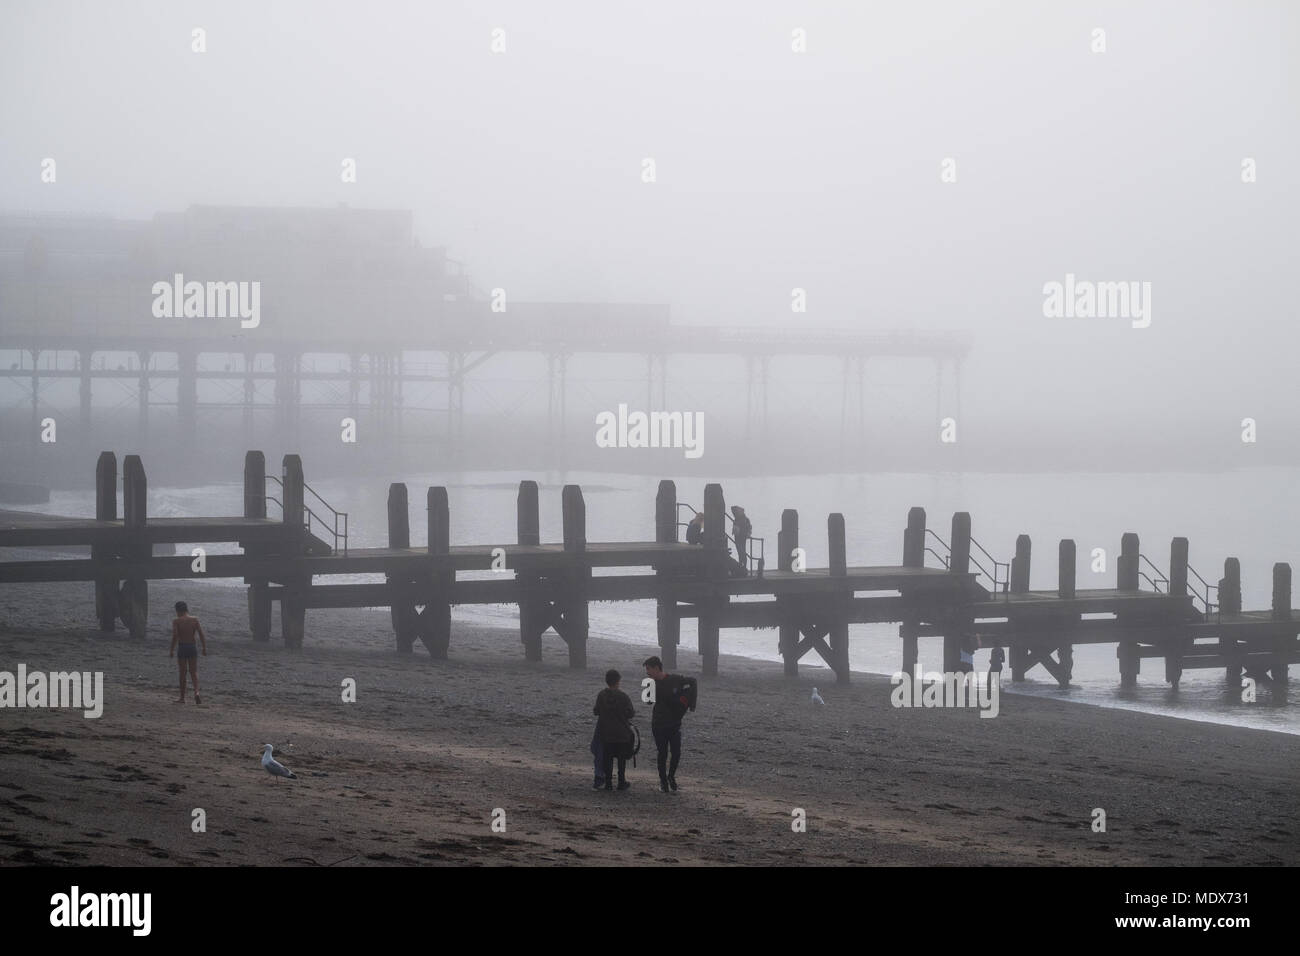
(1177, 615)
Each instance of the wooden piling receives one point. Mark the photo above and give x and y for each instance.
(1230, 606)
(576, 610)
(259, 592)
(787, 540)
(1067, 576)
(1281, 612)
(1129, 652)
(531, 613)
(838, 605)
(1178, 551)
(293, 594)
(401, 609)
(434, 623)
(958, 563)
(1017, 656)
(106, 607)
(668, 622)
(133, 598)
(715, 540)
(913, 557)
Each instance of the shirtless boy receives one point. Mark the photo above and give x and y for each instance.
(183, 630)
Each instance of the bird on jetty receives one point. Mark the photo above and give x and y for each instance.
(274, 767)
(817, 698)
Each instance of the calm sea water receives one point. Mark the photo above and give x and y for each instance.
(1239, 513)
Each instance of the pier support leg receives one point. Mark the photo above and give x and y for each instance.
(911, 653)
(788, 643)
(1019, 659)
(133, 605)
(433, 626)
(1130, 663)
(669, 626)
(293, 618)
(708, 641)
(259, 611)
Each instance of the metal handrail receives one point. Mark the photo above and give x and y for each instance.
(1159, 576)
(331, 528)
(1205, 599)
(1000, 585)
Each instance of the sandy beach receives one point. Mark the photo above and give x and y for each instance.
(412, 772)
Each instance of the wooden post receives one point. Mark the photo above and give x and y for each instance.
(958, 563)
(1230, 606)
(715, 540)
(1066, 582)
(1281, 612)
(434, 623)
(839, 603)
(401, 610)
(668, 623)
(1066, 570)
(787, 540)
(1017, 654)
(1020, 565)
(293, 605)
(1128, 652)
(914, 539)
(913, 557)
(1127, 567)
(1177, 588)
(259, 592)
(529, 533)
(1178, 567)
(106, 608)
(133, 599)
(577, 621)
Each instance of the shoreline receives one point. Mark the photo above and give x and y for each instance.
(411, 773)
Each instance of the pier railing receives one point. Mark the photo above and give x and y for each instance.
(1208, 608)
(999, 577)
(1158, 579)
(751, 561)
(336, 528)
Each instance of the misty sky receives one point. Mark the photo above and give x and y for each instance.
(775, 169)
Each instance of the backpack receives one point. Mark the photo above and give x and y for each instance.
(689, 688)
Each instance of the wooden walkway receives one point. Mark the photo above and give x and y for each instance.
(968, 600)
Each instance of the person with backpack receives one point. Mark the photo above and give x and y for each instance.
(741, 529)
(674, 695)
(613, 712)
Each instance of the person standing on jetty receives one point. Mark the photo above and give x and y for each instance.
(184, 627)
(741, 529)
(673, 696)
(695, 530)
(613, 710)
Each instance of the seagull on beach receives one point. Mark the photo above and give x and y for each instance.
(274, 767)
(817, 698)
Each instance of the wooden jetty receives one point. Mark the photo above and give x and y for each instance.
(970, 596)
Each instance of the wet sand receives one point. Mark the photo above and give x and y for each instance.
(412, 772)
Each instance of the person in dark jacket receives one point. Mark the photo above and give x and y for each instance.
(695, 530)
(666, 721)
(741, 529)
(613, 710)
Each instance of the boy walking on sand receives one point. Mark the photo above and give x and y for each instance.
(184, 628)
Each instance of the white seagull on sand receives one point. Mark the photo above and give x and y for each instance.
(817, 698)
(274, 767)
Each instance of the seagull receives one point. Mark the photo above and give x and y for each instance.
(817, 698)
(274, 767)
